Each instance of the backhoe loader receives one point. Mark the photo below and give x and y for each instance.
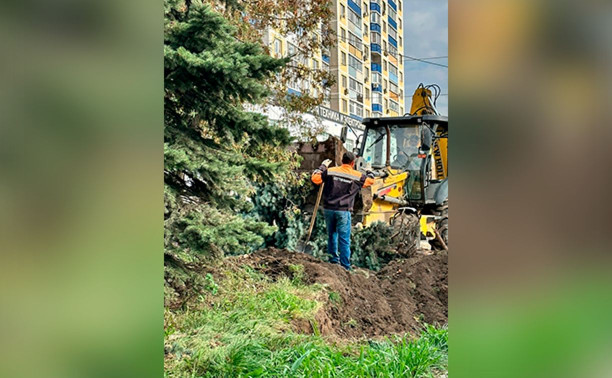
(408, 156)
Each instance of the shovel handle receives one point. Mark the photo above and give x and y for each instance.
(314, 212)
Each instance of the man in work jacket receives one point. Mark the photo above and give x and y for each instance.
(341, 187)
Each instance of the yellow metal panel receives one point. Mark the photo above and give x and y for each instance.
(428, 226)
(443, 143)
(383, 211)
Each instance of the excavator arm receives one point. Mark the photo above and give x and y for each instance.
(422, 102)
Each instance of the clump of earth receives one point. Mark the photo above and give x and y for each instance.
(398, 299)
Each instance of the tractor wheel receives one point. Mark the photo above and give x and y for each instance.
(406, 233)
(441, 224)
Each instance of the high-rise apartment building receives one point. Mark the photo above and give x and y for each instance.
(367, 60)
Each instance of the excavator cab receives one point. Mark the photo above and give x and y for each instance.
(409, 144)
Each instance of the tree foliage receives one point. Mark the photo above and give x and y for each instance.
(309, 25)
(214, 150)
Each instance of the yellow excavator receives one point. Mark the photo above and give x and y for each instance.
(408, 157)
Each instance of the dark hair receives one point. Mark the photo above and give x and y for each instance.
(348, 157)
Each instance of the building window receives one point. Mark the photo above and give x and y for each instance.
(401, 110)
(342, 11)
(315, 64)
(376, 98)
(366, 51)
(344, 106)
(343, 34)
(291, 49)
(385, 46)
(375, 18)
(394, 106)
(401, 77)
(355, 63)
(385, 84)
(356, 109)
(344, 59)
(399, 24)
(386, 104)
(278, 47)
(355, 85)
(385, 65)
(392, 69)
(355, 19)
(354, 41)
(367, 72)
(400, 41)
(392, 14)
(384, 26)
(392, 50)
(399, 5)
(344, 82)
(393, 87)
(392, 33)
(367, 113)
(375, 37)
(376, 78)
(367, 94)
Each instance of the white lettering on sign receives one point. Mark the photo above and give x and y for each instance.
(335, 116)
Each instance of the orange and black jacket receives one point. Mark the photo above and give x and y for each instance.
(341, 186)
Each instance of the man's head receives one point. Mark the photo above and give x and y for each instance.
(348, 158)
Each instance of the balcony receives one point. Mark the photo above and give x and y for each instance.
(354, 6)
(376, 88)
(393, 78)
(325, 58)
(375, 27)
(376, 68)
(377, 108)
(375, 48)
(392, 42)
(392, 22)
(392, 5)
(375, 6)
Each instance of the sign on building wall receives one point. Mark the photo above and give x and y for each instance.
(338, 117)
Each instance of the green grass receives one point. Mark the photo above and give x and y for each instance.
(244, 329)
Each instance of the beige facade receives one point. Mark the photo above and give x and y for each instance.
(367, 60)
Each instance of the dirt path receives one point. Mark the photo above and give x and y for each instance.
(396, 299)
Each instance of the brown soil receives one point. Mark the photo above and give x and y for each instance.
(395, 300)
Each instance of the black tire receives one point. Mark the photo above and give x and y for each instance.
(406, 233)
(441, 224)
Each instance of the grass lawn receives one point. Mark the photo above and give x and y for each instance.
(242, 327)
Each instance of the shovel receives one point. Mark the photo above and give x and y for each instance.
(302, 245)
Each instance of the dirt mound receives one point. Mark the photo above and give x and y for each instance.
(364, 303)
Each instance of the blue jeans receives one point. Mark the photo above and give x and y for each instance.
(339, 236)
